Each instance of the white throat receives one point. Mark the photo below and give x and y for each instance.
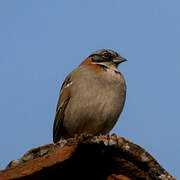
(109, 66)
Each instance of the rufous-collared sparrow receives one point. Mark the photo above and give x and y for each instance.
(92, 97)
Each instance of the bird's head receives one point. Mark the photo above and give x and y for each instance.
(106, 57)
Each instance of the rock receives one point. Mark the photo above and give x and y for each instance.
(87, 157)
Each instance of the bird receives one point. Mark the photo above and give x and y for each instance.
(91, 98)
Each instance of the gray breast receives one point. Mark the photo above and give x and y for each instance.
(96, 102)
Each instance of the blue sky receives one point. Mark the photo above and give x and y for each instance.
(42, 41)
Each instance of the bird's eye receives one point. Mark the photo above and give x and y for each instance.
(107, 55)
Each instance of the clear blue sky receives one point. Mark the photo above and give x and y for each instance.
(42, 41)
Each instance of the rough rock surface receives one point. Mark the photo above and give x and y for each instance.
(87, 157)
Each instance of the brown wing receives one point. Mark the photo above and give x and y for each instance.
(61, 106)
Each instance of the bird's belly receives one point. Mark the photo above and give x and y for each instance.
(93, 113)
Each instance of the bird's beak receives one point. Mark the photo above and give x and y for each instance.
(119, 59)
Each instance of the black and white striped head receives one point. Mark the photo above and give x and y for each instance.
(107, 58)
